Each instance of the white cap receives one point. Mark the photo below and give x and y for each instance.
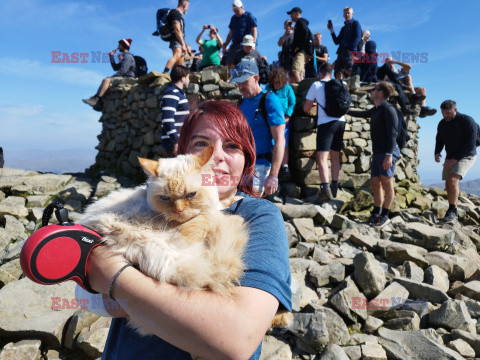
(248, 41)
(237, 4)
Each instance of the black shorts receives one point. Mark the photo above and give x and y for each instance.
(330, 136)
(344, 61)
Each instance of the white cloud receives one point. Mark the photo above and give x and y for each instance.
(33, 69)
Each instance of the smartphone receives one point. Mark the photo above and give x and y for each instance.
(329, 24)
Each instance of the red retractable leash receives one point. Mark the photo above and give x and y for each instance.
(57, 253)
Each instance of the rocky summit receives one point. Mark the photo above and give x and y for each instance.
(410, 290)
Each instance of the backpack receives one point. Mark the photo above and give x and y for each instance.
(310, 44)
(337, 98)
(263, 72)
(140, 66)
(164, 30)
(402, 136)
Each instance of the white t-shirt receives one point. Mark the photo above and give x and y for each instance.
(317, 93)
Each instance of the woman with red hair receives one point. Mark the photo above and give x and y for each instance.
(204, 323)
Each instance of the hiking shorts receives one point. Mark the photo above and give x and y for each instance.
(344, 61)
(461, 167)
(330, 136)
(174, 43)
(376, 167)
(299, 61)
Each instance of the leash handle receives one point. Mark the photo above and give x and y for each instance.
(60, 212)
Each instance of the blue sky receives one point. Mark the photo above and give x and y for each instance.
(40, 101)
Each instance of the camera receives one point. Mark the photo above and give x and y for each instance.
(209, 27)
(289, 23)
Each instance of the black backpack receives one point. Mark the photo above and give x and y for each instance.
(263, 72)
(140, 66)
(310, 44)
(337, 98)
(164, 30)
(402, 136)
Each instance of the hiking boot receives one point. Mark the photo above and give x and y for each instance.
(407, 111)
(91, 101)
(416, 99)
(324, 196)
(284, 174)
(427, 111)
(334, 190)
(449, 216)
(372, 219)
(99, 105)
(382, 220)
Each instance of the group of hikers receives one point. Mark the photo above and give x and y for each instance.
(268, 111)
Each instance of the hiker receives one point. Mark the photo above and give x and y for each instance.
(459, 134)
(175, 108)
(321, 55)
(277, 82)
(347, 41)
(402, 79)
(384, 132)
(330, 132)
(125, 68)
(211, 47)
(177, 43)
(267, 121)
(241, 24)
(285, 59)
(300, 44)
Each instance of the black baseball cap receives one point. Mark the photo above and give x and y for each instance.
(295, 9)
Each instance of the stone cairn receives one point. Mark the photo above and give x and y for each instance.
(408, 291)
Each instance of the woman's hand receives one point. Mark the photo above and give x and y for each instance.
(102, 266)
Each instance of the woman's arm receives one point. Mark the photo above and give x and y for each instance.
(200, 322)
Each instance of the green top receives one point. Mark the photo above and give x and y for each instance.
(210, 53)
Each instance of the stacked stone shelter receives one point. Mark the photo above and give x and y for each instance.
(131, 122)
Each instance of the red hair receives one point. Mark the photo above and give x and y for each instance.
(232, 125)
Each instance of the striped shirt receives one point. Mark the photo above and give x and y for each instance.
(174, 111)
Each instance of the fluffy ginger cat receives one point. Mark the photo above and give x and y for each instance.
(173, 227)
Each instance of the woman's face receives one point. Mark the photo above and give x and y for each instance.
(228, 158)
(277, 84)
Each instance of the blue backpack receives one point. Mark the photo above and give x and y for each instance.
(164, 30)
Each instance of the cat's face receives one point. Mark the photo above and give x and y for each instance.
(175, 186)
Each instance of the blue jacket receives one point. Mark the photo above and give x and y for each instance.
(349, 36)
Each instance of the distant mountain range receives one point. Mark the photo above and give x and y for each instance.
(470, 187)
(55, 161)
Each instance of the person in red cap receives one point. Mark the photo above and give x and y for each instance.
(125, 68)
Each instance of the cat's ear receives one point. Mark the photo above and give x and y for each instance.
(205, 156)
(149, 166)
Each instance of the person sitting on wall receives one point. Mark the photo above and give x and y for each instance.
(125, 68)
(402, 79)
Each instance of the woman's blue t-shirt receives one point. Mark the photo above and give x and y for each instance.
(266, 260)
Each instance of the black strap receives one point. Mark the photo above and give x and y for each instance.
(60, 212)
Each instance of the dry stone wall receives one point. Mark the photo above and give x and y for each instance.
(132, 116)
